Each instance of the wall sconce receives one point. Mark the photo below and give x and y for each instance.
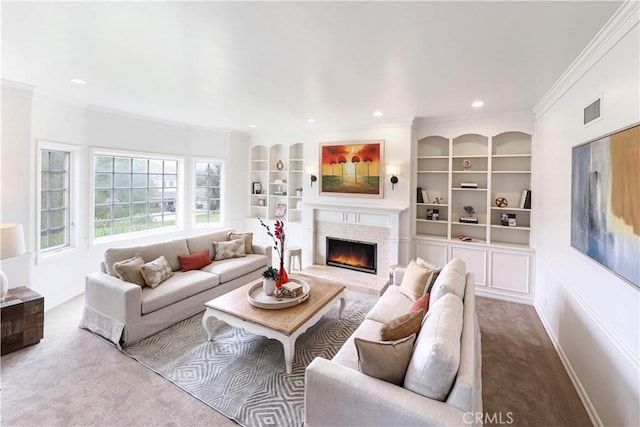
(393, 170)
(313, 172)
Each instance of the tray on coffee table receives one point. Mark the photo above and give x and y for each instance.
(257, 297)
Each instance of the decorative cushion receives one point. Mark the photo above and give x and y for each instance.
(436, 272)
(422, 303)
(248, 240)
(230, 249)
(205, 241)
(414, 281)
(452, 278)
(156, 271)
(129, 270)
(436, 357)
(402, 326)
(386, 360)
(194, 261)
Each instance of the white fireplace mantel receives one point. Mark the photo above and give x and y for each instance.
(356, 215)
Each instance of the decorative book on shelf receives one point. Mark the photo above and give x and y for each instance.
(525, 200)
(433, 214)
(468, 185)
(468, 220)
(508, 220)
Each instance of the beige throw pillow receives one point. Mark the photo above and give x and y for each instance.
(248, 240)
(452, 279)
(402, 326)
(436, 271)
(415, 280)
(230, 249)
(386, 360)
(156, 271)
(129, 270)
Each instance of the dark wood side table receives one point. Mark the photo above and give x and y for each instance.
(22, 318)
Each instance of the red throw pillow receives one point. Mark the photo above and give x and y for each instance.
(194, 261)
(421, 303)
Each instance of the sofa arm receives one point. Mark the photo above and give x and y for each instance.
(398, 275)
(115, 298)
(263, 250)
(339, 396)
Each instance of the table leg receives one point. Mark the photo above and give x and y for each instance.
(207, 325)
(341, 308)
(289, 345)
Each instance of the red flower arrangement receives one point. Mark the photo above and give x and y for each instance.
(278, 244)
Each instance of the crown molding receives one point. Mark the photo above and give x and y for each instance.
(623, 21)
(17, 88)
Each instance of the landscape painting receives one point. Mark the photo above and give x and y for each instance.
(605, 202)
(352, 168)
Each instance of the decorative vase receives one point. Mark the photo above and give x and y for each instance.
(284, 278)
(268, 286)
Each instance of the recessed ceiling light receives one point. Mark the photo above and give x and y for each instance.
(311, 120)
(252, 126)
(79, 81)
(377, 113)
(477, 104)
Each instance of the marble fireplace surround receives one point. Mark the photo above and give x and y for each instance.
(375, 224)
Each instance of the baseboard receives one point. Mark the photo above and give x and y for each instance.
(492, 293)
(586, 402)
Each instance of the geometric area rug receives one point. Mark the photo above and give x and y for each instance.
(242, 375)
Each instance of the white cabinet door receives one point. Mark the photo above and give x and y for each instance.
(476, 261)
(510, 271)
(433, 253)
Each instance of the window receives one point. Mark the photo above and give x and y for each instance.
(133, 194)
(208, 187)
(54, 199)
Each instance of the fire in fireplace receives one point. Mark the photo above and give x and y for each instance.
(352, 254)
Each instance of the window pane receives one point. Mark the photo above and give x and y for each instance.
(56, 180)
(170, 167)
(44, 220)
(139, 180)
(103, 180)
(56, 237)
(140, 165)
(44, 239)
(122, 165)
(214, 205)
(56, 218)
(139, 195)
(155, 208)
(139, 209)
(170, 180)
(44, 200)
(207, 191)
(102, 228)
(201, 180)
(121, 180)
(57, 199)
(102, 213)
(139, 224)
(155, 181)
(213, 180)
(56, 161)
(103, 164)
(121, 211)
(121, 226)
(103, 196)
(155, 166)
(122, 195)
(214, 193)
(44, 181)
(44, 160)
(202, 168)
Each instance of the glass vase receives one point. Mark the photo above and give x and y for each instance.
(283, 277)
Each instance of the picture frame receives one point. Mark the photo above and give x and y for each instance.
(256, 187)
(281, 211)
(352, 169)
(605, 199)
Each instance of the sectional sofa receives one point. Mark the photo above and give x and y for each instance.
(443, 384)
(125, 313)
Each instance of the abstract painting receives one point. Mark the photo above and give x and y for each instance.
(352, 168)
(605, 202)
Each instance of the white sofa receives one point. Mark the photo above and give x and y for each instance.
(337, 394)
(125, 313)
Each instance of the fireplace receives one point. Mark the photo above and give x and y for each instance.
(352, 254)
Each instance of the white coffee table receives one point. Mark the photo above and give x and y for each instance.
(284, 325)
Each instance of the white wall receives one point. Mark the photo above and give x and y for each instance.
(592, 315)
(60, 276)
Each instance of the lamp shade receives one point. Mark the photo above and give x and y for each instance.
(11, 240)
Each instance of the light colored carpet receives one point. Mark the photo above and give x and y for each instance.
(74, 378)
(243, 375)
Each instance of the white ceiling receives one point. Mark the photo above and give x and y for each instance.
(231, 64)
